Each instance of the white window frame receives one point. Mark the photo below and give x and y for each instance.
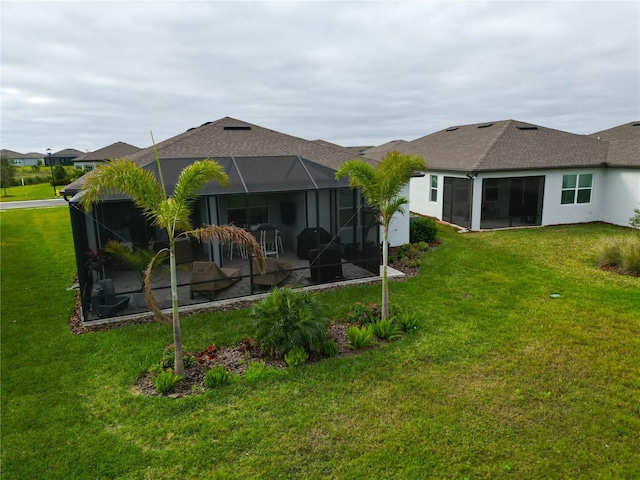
(576, 187)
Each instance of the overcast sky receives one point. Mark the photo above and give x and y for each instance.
(87, 74)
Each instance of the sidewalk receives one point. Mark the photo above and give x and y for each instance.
(54, 202)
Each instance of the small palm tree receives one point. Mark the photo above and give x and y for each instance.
(170, 213)
(381, 188)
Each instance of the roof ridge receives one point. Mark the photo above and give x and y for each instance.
(484, 156)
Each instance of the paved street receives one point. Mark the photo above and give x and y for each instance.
(54, 202)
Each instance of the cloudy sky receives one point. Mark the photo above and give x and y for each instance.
(86, 74)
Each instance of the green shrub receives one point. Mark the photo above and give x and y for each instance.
(166, 381)
(168, 358)
(635, 220)
(257, 370)
(630, 254)
(621, 252)
(407, 321)
(287, 319)
(360, 337)
(385, 330)
(296, 357)
(330, 349)
(408, 254)
(216, 377)
(423, 229)
(362, 314)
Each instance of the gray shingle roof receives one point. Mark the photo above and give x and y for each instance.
(229, 137)
(115, 150)
(627, 131)
(504, 145)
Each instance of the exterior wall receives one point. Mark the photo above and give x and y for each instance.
(614, 194)
(420, 196)
(554, 213)
(399, 227)
(621, 195)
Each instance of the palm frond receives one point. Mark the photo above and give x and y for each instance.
(230, 234)
(124, 177)
(148, 291)
(194, 177)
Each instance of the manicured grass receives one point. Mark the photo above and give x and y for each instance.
(38, 191)
(499, 381)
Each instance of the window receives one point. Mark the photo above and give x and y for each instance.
(258, 210)
(576, 188)
(434, 188)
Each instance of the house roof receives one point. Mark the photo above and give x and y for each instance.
(228, 138)
(115, 150)
(502, 145)
(627, 131)
(68, 153)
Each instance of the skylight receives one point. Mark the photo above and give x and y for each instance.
(527, 127)
(237, 127)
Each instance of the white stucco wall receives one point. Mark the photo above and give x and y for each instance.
(554, 213)
(420, 195)
(621, 195)
(614, 194)
(399, 227)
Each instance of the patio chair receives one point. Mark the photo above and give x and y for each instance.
(107, 304)
(275, 272)
(269, 242)
(207, 277)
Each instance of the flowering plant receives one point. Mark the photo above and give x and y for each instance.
(96, 259)
(362, 314)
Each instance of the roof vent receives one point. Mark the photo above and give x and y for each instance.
(527, 127)
(486, 125)
(452, 129)
(237, 128)
(636, 124)
(189, 129)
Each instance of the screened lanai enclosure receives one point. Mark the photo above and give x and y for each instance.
(512, 202)
(312, 228)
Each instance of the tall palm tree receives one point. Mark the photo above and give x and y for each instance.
(381, 189)
(170, 213)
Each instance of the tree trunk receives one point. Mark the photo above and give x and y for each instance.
(385, 283)
(177, 338)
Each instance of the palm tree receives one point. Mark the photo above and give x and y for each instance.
(170, 213)
(381, 188)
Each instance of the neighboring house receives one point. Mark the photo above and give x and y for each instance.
(63, 157)
(511, 173)
(90, 160)
(274, 179)
(22, 159)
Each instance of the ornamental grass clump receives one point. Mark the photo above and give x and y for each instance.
(385, 330)
(622, 253)
(286, 319)
(166, 381)
(361, 337)
(296, 357)
(216, 377)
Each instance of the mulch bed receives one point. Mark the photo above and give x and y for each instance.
(236, 359)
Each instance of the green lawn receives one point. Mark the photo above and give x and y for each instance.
(38, 191)
(499, 381)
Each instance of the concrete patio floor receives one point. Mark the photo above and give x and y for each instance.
(126, 282)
